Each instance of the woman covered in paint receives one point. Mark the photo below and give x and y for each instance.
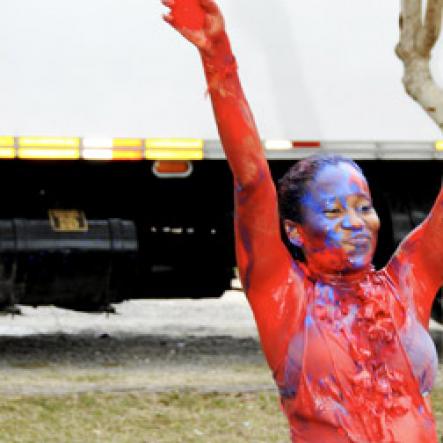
(348, 345)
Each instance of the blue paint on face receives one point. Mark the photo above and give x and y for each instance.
(340, 226)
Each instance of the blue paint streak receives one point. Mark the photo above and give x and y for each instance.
(309, 321)
(330, 295)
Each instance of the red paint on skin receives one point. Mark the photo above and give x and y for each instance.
(338, 344)
(188, 14)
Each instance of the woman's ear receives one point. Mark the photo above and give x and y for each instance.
(291, 229)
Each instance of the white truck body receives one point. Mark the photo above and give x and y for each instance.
(311, 70)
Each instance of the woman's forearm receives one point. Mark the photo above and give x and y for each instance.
(417, 263)
(233, 116)
(432, 239)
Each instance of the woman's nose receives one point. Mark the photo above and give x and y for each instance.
(352, 221)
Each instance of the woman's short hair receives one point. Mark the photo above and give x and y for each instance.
(292, 188)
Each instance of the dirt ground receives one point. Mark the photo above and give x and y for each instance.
(150, 345)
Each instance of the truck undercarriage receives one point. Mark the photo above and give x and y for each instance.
(84, 234)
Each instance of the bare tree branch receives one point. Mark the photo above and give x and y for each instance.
(429, 33)
(414, 48)
(410, 26)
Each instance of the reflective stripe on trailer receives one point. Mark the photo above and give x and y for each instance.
(190, 149)
(358, 150)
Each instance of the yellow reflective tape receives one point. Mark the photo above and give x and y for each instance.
(7, 152)
(174, 149)
(174, 155)
(127, 143)
(179, 143)
(7, 141)
(439, 145)
(48, 154)
(49, 142)
(126, 154)
(113, 154)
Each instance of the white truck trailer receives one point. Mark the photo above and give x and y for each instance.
(114, 182)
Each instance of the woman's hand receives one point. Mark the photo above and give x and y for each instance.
(203, 33)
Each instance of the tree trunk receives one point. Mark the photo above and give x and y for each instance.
(417, 38)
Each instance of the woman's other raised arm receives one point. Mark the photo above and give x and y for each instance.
(261, 255)
(418, 262)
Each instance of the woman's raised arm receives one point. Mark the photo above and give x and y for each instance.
(418, 262)
(261, 255)
(235, 122)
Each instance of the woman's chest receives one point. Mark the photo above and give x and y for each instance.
(350, 343)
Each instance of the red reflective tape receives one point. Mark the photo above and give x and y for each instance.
(305, 144)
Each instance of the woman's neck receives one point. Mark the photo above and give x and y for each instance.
(339, 278)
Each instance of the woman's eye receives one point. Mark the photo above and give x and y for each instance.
(331, 211)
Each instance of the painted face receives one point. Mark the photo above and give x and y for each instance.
(340, 226)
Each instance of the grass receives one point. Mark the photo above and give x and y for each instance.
(143, 418)
(171, 417)
(174, 376)
(437, 406)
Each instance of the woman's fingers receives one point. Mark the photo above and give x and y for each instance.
(202, 34)
(168, 18)
(209, 6)
(214, 19)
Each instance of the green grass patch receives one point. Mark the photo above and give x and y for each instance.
(171, 417)
(143, 418)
